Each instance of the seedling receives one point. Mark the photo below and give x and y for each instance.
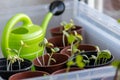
(43, 44)
(78, 62)
(67, 28)
(53, 49)
(73, 40)
(101, 58)
(16, 58)
(103, 55)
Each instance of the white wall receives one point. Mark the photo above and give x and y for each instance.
(8, 4)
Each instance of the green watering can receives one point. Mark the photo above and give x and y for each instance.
(29, 33)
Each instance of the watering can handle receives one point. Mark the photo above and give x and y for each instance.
(8, 28)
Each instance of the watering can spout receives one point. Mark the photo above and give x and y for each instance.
(56, 8)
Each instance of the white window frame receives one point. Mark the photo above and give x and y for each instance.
(97, 4)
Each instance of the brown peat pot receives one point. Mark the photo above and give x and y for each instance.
(57, 42)
(60, 63)
(65, 69)
(57, 31)
(27, 75)
(82, 47)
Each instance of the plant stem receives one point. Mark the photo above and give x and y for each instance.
(43, 57)
(98, 61)
(72, 53)
(8, 68)
(116, 73)
(50, 59)
(19, 50)
(39, 60)
(11, 67)
(95, 63)
(19, 55)
(63, 40)
(68, 68)
(7, 65)
(105, 60)
(19, 65)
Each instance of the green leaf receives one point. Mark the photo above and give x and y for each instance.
(79, 37)
(79, 58)
(67, 26)
(71, 38)
(22, 43)
(118, 20)
(74, 49)
(98, 49)
(56, 49)
(116, 63)
(104, 54)
(70, 63)
(53, 60)
(45, 41)
(85, 56)
(8, 49)
(49, 45)
(15, 51)
(93, 57)
(63, 23)
(79, 61)
(65, 33)
(81, 65)
(86, 61)
(48, 55)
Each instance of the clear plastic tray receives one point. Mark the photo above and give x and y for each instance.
(101, 73)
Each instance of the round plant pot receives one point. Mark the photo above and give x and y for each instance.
(59, 63)
(65, 69)
(27, 75)
(82, 47)
(25, 66)
(57, 42)
(92, 61)
(57, 31)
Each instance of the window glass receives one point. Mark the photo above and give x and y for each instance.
(112, 8)
(109, 7)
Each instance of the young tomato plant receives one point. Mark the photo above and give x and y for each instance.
(78, 62)
(53, 50)
(101, 58)
(16, 58)
(67, 28)
(73, 40)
